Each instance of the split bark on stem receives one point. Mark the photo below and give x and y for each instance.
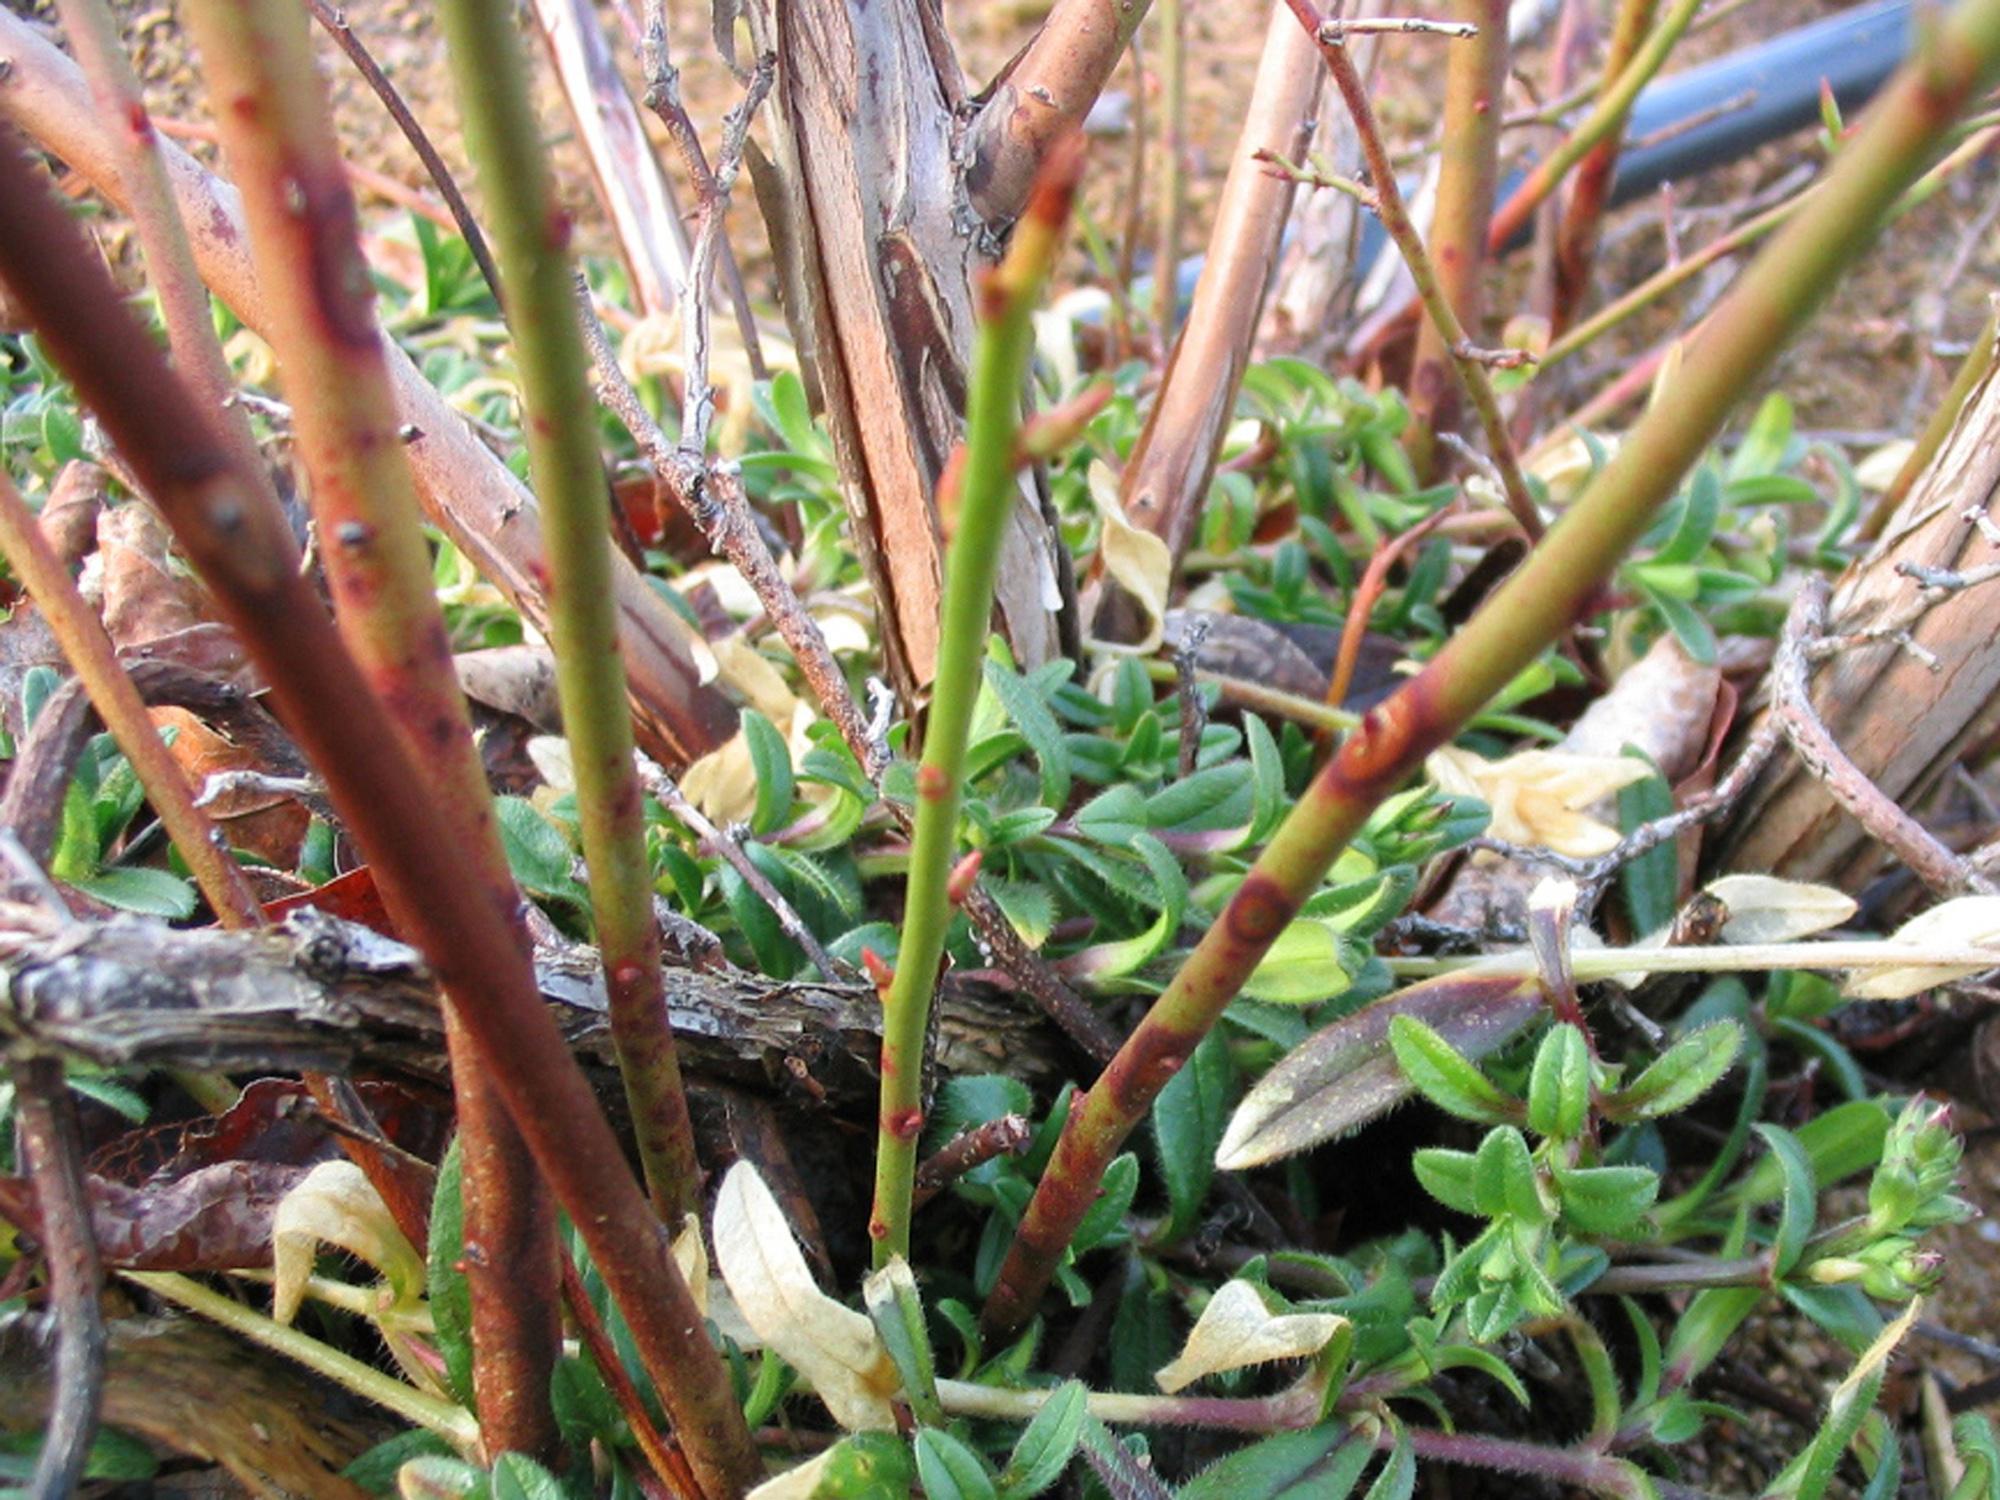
(249, 562)
(1555, 587)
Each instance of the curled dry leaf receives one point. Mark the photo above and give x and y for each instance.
(1236, 1329)
(832, 1345)
(1540, 797)
(336, 1205)
(1138, 561)
(1968, 922)
(1766, 909)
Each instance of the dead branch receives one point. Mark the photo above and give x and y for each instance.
(318, 993)
(1791, 705)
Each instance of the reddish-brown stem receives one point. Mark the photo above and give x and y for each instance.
(89, 650)
(249, 562)
(52, 1152)
(1583, 217)
(1475, 84)
(304, 234)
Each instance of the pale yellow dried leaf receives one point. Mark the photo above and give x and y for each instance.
(1766, 909)
(1236, 1329)
(1566, 466)
(1879, 469)
(1539, 797)
(1134, 558)
(831, 1345)
(1968, 922)
(723, 783)
(335, 1204)
(691, 1255)
(801, 1483)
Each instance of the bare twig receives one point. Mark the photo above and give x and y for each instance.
(730, 848)
(46, 1132)
(334, 21)
(1396, 220)
(1791, 705)
(1337, 31)
(1007, 1136)
(663, 97)
(1194, 714)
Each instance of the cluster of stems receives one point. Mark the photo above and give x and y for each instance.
(1553, 589)
(246, 555)
(987, 486)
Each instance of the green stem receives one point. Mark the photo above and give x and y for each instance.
(531, 239)
(1606, 118)
(452, 1423)
(987, 490)
(1556, 586)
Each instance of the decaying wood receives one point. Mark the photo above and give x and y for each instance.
(322, 994)
(876, 247)
(1902, 721)
(471, 495)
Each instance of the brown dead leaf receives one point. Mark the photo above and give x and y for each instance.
(269, 826)
(69, 516)
(146, 594)
(214, 1219)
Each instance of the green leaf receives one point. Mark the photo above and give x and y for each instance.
(890, 1295)
(771, 758)
(153, 893)
(1503, 1177)
(518, 1477)
(1606, 1200)
(1681, 1074)
(436, 1476)
(1114, 1200)
(1701, 508)
(120, 1098)
(1038, 726)
(1838, 1143)
(1696, 636)
(1651, 882)
(1319, 1463)
(1559, 1083)
(1045, 1449)
(1447, 1176)
(1445, 1076)
(1767, 441)
(449, 1297)
(1798, 1199)
(950, 1470)
(537, 851)
(1188, 1118)
(1398, 1478)
(1113, 817)
(1309, 963)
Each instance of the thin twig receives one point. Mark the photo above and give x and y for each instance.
(663, 787)
(1336, 31)
(46, 1132)
(1395, 219)
(1946, 874)
(1007, 1136)
(337, 26)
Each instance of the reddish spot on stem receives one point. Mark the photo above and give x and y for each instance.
(338, 274)
(560, 227)
(626, 976)
(1379, 746)
(139, 123)
(932, 784)
(878, 970)
(1259, 911)
(903, 1124)
(1482, 105)
(878, 1229)
(963, 874)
